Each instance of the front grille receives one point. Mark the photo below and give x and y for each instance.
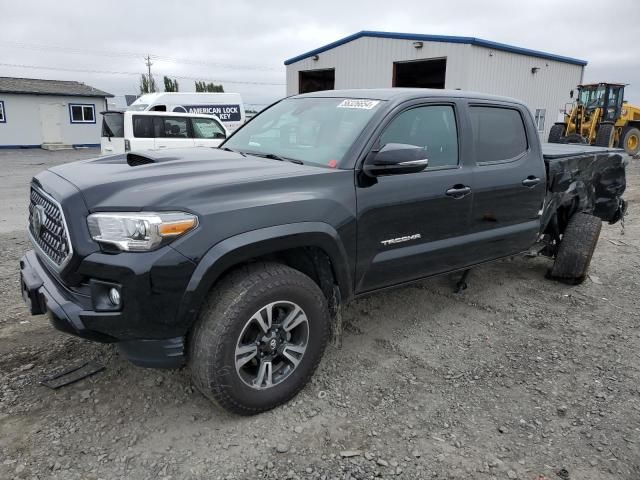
(47, 227)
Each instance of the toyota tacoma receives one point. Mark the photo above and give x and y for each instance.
(237, 260)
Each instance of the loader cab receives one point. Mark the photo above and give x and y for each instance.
(606, 96)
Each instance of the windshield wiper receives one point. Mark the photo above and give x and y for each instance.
(273, 156)
(227, 149)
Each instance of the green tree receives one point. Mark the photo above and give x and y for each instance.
(170, 85)
(147, 84)
(202, 86)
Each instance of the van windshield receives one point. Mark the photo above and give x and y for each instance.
(312, 130)
(112, 125)
(138, 107)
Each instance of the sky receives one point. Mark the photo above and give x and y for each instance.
(243, 44)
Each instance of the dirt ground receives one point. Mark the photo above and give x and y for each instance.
(519, 377)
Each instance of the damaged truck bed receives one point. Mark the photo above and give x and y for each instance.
(582, 178)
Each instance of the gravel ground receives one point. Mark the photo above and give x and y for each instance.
(517, 378)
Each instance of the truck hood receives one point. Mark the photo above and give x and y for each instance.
(173, 179)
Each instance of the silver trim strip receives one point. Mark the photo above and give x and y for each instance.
(34, 242)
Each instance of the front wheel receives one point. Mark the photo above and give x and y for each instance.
(259, 338)
(605, 135)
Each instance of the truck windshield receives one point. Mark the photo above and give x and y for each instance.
(316, 131)
(138, 107)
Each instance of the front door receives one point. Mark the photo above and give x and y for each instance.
(413, 225)
(50, 122)
(509, 181)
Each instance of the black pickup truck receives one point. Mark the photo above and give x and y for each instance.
(236, 260)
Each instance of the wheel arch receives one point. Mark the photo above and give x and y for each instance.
(314, 248)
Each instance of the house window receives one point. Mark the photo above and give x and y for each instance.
(541, 113)
(3, 119)
(81, 113)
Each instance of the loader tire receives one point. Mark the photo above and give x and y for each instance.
(630, 140)
(605, 135)
(556, 133)
(576, 249)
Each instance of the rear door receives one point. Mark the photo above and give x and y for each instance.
(509, 179)
(172, 132)
(112, 139)
(414, 225)
(207, 132)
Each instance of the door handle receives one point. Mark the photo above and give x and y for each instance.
(458, 191)
(530, 181)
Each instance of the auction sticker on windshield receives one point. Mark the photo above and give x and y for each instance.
(358, 103)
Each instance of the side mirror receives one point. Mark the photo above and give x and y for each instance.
(396, 159)
(571, 94)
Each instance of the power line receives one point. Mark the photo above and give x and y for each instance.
(80, 51)
(105, 72)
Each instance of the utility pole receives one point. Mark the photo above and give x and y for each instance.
(148, 63)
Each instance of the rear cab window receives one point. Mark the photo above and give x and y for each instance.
(499, 133)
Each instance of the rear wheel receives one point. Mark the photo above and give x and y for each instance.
(605, 135)
(576, 248)
(630, 140)
(259, 338)
(556, 133)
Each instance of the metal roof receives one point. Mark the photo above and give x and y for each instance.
(36, 86)
(438, 38)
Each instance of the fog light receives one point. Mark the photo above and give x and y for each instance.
(114, 296)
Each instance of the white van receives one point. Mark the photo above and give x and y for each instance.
(228, 107)
(125, 131)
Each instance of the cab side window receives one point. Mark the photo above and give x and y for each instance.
(431, 127)
(207, 128)
(498, 134)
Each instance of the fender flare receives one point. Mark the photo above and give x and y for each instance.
(255, 243)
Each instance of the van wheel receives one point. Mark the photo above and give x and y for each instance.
(259, 338)
(556, 133)
(576, 249)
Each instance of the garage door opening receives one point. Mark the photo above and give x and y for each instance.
(420, 73)
(315, 80)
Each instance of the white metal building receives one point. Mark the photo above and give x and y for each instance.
(49, 113)
(381, 59)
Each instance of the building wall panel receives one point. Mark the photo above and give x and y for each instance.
(23, 125)
(367, 62)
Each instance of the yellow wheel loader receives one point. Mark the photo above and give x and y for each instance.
(600, 117)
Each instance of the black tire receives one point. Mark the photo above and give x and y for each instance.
(576, 248)
(605, 135)
(574, 138)
(630, 140)
(236, 299)
(556, 133)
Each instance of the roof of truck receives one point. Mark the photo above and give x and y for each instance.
(405, 94)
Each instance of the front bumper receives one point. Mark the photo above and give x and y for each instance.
(72, 312)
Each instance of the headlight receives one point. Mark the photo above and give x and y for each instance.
(139, 231)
